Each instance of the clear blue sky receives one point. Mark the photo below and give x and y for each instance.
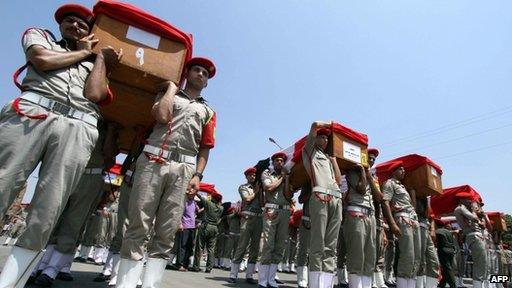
(391, 69)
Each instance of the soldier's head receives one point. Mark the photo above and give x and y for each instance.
(373, 153)
(250, 175)
(75, 21)
(278, 160)
(465, 198)
(197, 72)
(216, 197)
(322, 138)
(397, 170)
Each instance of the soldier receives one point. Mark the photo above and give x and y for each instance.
(209, 231)
(380, 236)
(61, 93)
(429, 263)
(325, 205)
(471, 226)
(172, 164)
(403, 222)
(250, 228)
(389, 257)
(304, 238)
(112, 209)
(295, 222)
(233, 221)
(221, 241)
(446, 244)
(122, 222)
(360, 226)
(275, 223)
(80, 205)
(341, 253)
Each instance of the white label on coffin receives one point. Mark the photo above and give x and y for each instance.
(143, 37)
(434, 171)
(351, 152)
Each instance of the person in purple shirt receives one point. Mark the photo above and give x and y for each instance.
(186, 234)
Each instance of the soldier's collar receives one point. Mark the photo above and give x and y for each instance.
(199, 99)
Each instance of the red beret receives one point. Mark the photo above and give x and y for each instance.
(395, 166)
(373, 151)
(324, 131)
(279, 155)
(203, 62)
(216, 196)
(464, 195)
(74, 9)
(250, 171)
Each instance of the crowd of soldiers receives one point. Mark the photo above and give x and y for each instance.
(370, 235)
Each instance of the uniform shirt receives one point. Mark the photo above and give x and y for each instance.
(445, 241)
(234, 223)
(397, 195)
(354, 197)
(468, 221)
(212, 211)
(192, 127)
(65, 85)
(318, 166)
(246, 190)
(277, 197)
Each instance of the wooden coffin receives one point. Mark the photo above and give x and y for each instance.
(147, 60)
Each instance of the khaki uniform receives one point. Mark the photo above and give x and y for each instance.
(159, 187)
(389, 257)
(221, 241)
(251, 225)
(468, 221)
(233, 235)
(208, 232)
(122, 213)
(63, 144)
(325, 217)
(429, 262)
(407, 220)
(379, 236)
(275, 223)
(112, 219)
(91, 229)
(81, 204)
(304, 237)
(275, 230)
(291, 253)
(359, 228)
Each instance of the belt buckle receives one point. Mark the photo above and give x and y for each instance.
(60, 108)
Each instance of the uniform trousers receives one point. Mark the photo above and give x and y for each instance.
(158, 195)
(325, 226)
(62, 145)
